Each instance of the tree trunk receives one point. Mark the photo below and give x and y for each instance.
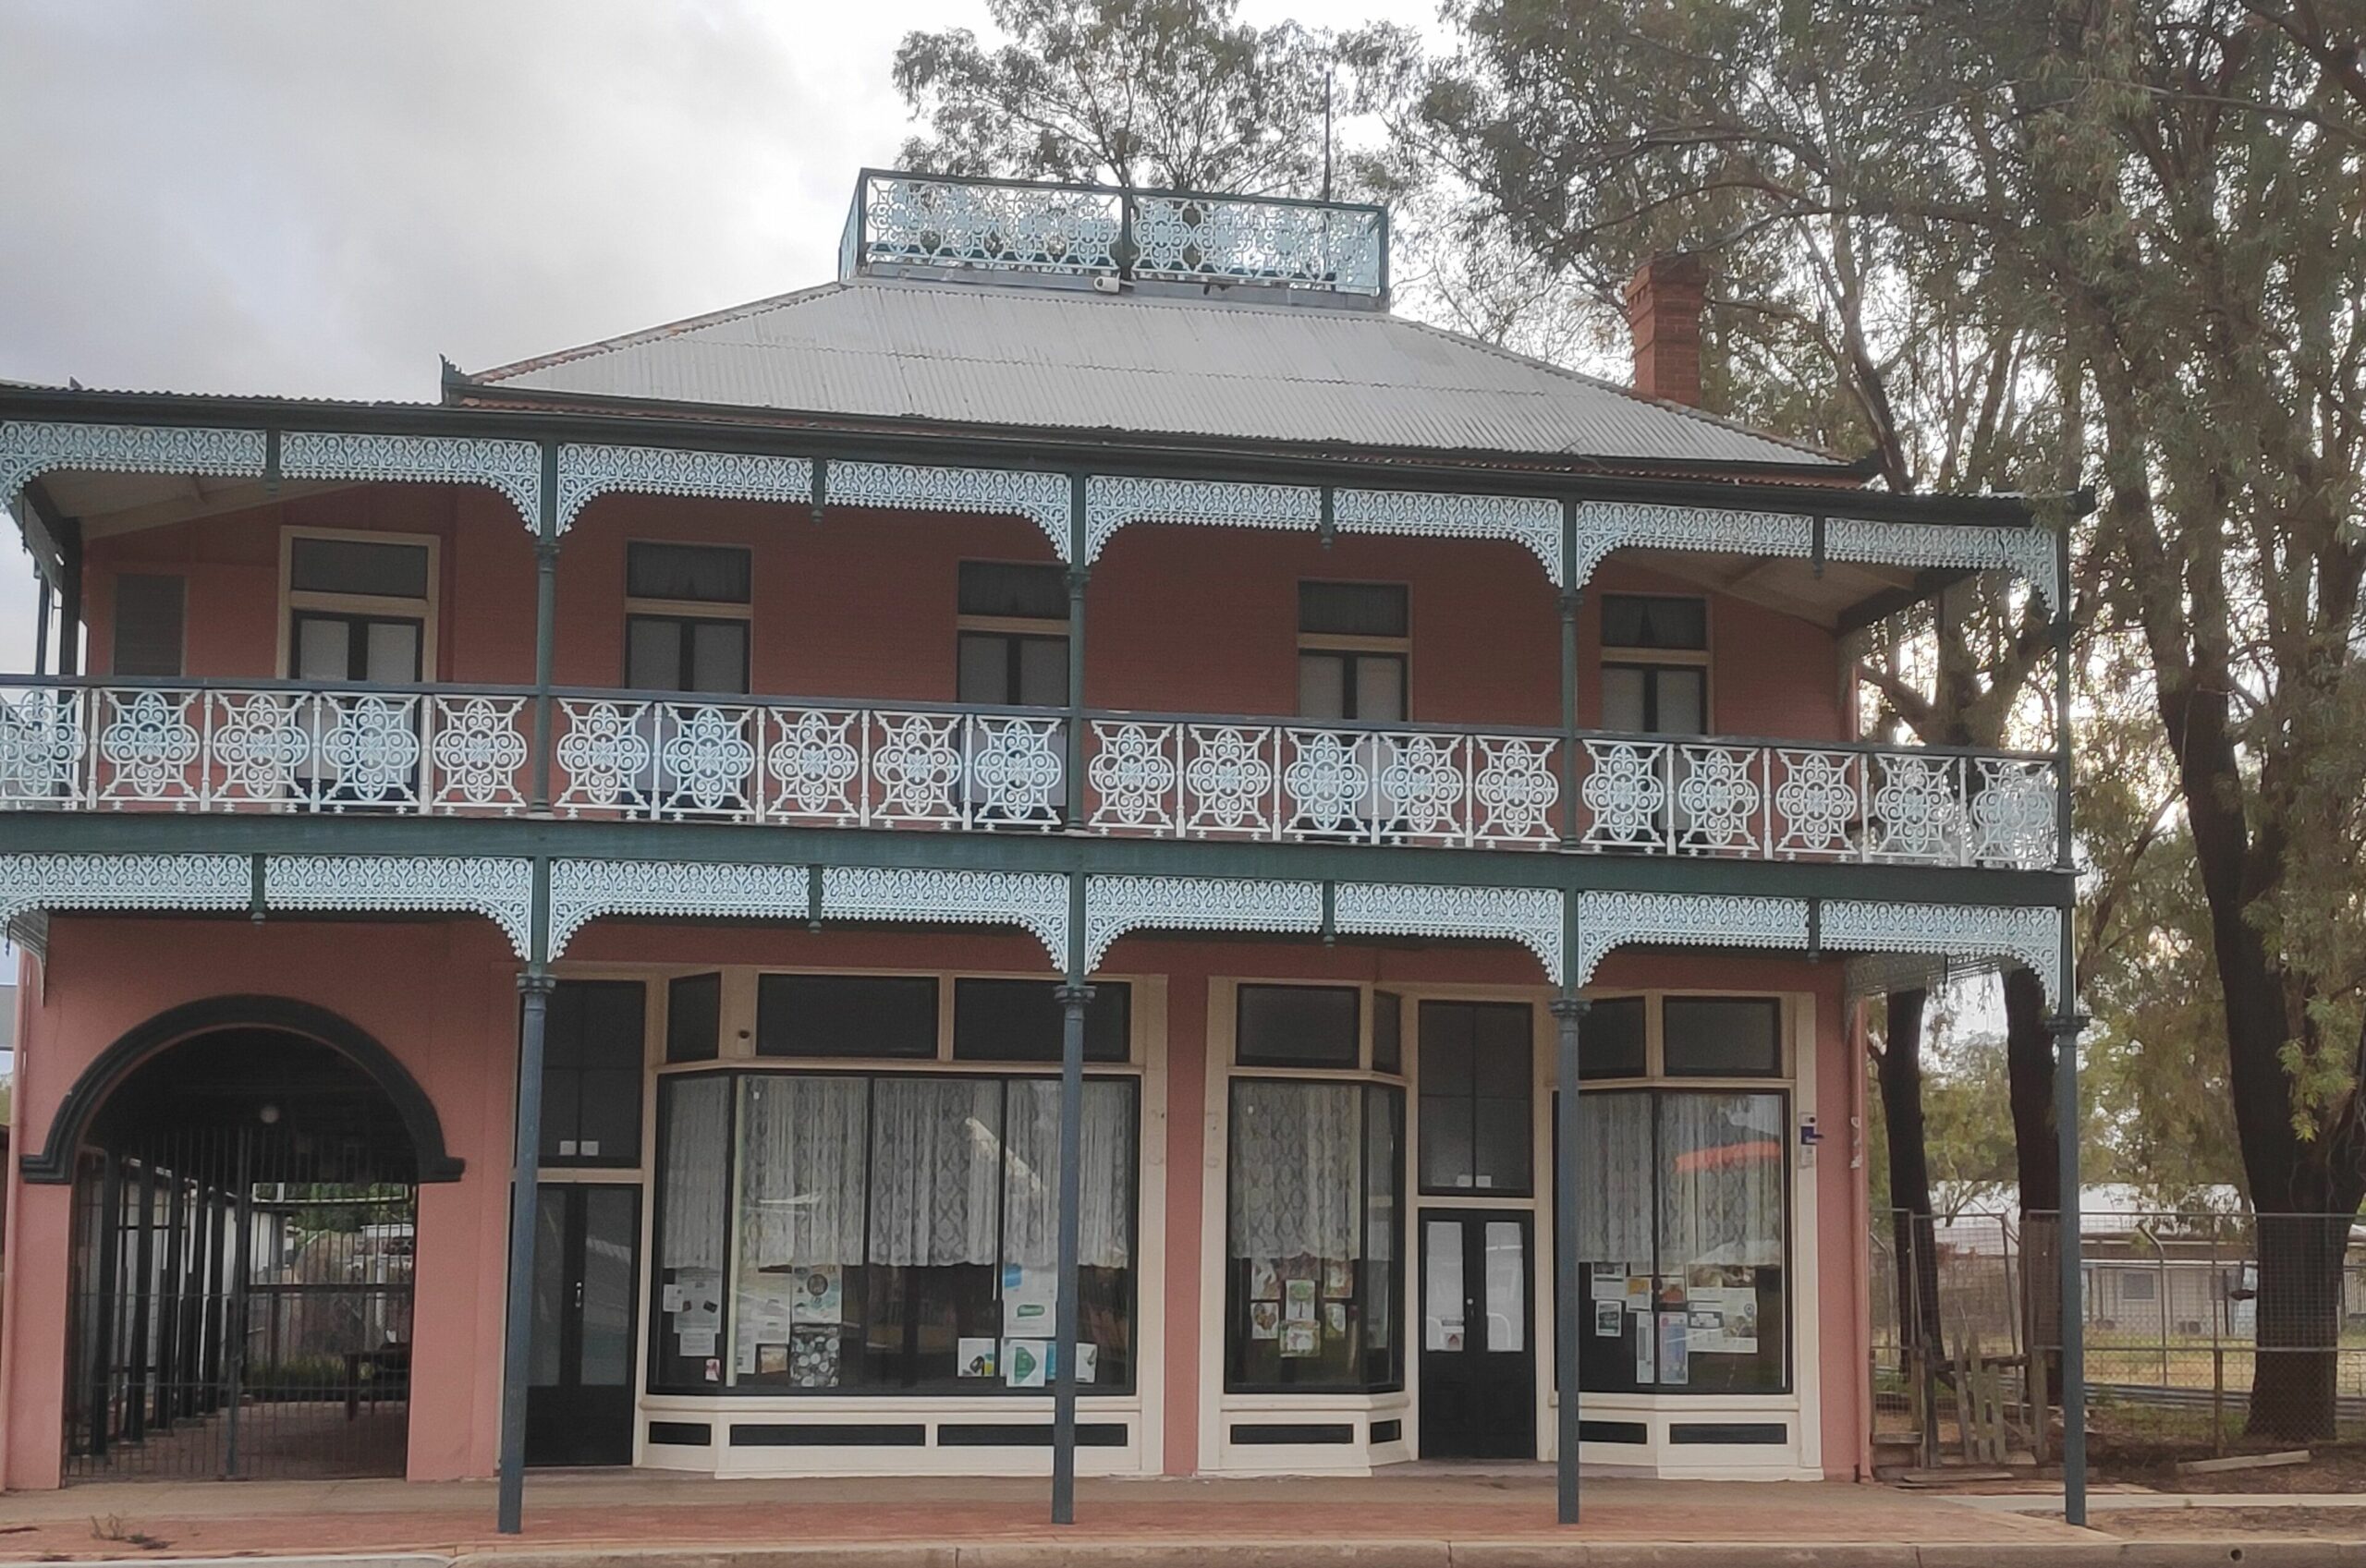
(1910, 1173)
(2297, 1379)
(2028, 1066)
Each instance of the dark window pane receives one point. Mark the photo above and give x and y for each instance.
(592, 1073)
(984, 671)
(694, 1019)
(1388, 1032)
(1502, 1134)
(846, 1016)
(653, 653)
(1352, 609)
(1625, 696)
(1020, 1021)
(1043, 671)
(1634, 620)
(1379, 689)
(1323, 686)
(1610, 1038)
(1722, 1037)
(608, 1131)
(719, 656)
(706, 573)
(353, 565)
(1474, 1070)
(147, 625)
(1503, 1049)
(1010, 588)
(1446, 1142)
(1298, 1026)
(1681, 704)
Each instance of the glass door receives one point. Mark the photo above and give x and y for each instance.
(579, 1396)
(1478, 1356)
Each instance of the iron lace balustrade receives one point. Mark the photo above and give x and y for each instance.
(112, 746)
(944, 222)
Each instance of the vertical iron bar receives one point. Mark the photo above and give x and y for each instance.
(1074, 995)
(41, 625)
(143, 1252)
(545, 624)
(534, 986)
(1570, 596)
(174, 1308)
(241, 1262)
(2066, 1026)
(1568, 1011)
(69, 608)
(1077, 572)
(110, 1284)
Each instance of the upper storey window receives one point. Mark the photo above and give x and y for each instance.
(686, 617)
(1353, 643)
(1654, 664)
(1013, 634)
(360, 606)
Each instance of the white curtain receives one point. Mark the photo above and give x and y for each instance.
(1032, 1175)
(697, 1145)
(1615, 1179)
(935, 1171)
(801, 1171)
(1295, 1177)
(1721, 1188)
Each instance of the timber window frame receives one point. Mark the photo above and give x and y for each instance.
(690, 619)
(361, 610)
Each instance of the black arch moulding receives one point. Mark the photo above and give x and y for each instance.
(53, 1165)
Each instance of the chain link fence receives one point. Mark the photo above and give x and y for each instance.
(2190, 1348)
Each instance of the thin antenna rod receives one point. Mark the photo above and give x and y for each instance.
(1330, 68)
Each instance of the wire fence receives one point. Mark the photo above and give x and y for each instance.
(2191, 1345)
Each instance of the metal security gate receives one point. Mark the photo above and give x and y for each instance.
(242, 1293)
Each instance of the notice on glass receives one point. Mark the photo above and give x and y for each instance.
(1264, 1279)
(1639, 1293)
(821, 1295)
(1028, 1295)
(1336, 1276)
(1609, 1319)
(1025, 1363)
(1643, 1345)
(1298, 1301)
(1674, 1349)
(699, 1296)
(1298, 1339)
(1264, 1320)
(1604, 1285)
(697, 1342)
(974, 1358)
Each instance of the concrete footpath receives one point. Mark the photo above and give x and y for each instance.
(1409, 1519)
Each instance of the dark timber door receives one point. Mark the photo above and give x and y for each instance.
(578, 1401)
(1478, 1355)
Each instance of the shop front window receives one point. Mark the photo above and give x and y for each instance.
(889, 1233)
(1313, 1286)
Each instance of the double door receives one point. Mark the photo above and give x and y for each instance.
(1477, 1347)
(579, 1396)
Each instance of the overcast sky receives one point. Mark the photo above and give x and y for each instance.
(317, 197)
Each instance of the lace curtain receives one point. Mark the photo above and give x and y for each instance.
(801, 1171)
(934, 1170)
(1295, 1177)
(1032, 1175)
(698, 1128)
(1721, 1192)
(1615, 1179)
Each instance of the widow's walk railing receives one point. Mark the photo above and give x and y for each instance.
(452, 750)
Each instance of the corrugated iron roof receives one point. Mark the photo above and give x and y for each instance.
(980, 354)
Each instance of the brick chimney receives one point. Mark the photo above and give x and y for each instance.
(1664, 313)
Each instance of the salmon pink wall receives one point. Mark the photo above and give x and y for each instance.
(441, 997)
(862, 606)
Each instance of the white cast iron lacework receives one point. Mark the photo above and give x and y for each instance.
(513, 468)
(2028, 936)
(29, 448)
(587, 472)
(2013, 821)
(41, 745)
(1305, 247)
(1037, 900)
(941, 223)
(1114, 905)
(2027, 552)
(1530, 915)
(1134, 770)
(1023, 492)
(1607, 920)
(1111, 502)
(500, 890)
(1605, 525)
(1524, 519)
(43, 882)
(582, 890)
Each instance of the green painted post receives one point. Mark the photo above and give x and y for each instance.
(1572, 594)
(1074, 996)
(2066, 1026)
(534, 987)
(1569, 1012)
(1073, 794)
(545, 624)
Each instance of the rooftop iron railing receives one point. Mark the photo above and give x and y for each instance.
(469, 750)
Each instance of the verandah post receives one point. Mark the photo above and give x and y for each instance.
(1078, 574)
(545, 624)
(534, 989)
(1569, 1012)
(1571, 595)
(1074, 995)
(2066, 1026)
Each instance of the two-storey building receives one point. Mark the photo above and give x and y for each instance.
(1079, 823)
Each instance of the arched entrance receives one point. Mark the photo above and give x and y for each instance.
(245, 1204)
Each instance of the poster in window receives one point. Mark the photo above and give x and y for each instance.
(1335, 1318)
(974, 1358)
(1338, 1280)
(1264, 1320)
(814, 1359)
(697, 1342)
(820, 1298)
(1264, 1280)
(1030, 1292)
(1024, 1363)
(697, 1295)
(1609, 1319)
(1675, 1368)
(1704, 1328)
(1298, 1301)
(771, 1359)
(1298, 1339)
